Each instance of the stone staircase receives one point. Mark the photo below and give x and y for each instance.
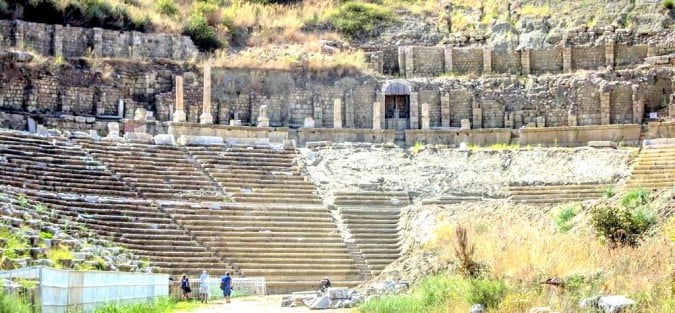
(371, 218)
(54, 164)
(137, 225)
(257, 175)
(655, 167)
(292, 246)
(556, 193)
(156, 171)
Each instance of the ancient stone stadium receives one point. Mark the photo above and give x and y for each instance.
(425, 156)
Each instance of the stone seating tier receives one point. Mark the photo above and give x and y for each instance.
(54, 164)
(556, 193)
(157, 172)
(655, 168)
(293, 246)
(360, 199)
(140, 227)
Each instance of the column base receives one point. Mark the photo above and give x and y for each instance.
(206, 118)
(179, 116)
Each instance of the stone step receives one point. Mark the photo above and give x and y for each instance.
(260, 217)
(289, 266)
(234, 245)
(555, 188)
(297, 256)
(367, 221)
(357, 202)
(227, 239)
(277, 200)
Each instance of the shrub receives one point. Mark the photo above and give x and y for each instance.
(609, 192)
(564, 218)
(669, 4)
(464, 252)
(203, 35)
(11, 304)
(635, 198)
(167, 7)
(487, 292)
(621, 225)
(59, 254)
(355, 19)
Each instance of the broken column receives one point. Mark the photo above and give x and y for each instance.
(140, 115)
(414, 110)
(206, 117)
(541, 121)
(263, 118)
(465, 124)
(113, 130)
(445, 109)
(179, 115)
(572, 119)
(477, 113)
(638, 106)
(309, 122)
(377, 115)
(426, 119)
(337, 113)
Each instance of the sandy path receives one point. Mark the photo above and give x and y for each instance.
(257, 304)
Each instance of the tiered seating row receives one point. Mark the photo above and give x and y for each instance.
(257, 175)
(157, 172)
(655, 168)
(54, 164)
(556, 193)
(372, 220)
(292, 247)
(140, 227)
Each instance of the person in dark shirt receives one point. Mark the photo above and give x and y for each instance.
(325, 284)
(185, 287)
(226, 286)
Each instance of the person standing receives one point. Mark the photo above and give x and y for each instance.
(185, 287)
(226, 286)
(204, 287)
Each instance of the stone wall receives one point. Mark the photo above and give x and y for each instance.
(274, 134)
(305, 135)
(437, 60)
(579, 136)
(66, 41)
(482, 137)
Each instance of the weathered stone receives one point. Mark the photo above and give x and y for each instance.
(319, 303)
(477, 308)
(309, 122)
(235, 122)
(138, 137)
(200, 140)
(465, 124)
(263, 118)
(615, 304)
(338, 293)
(140, 115)
(167, 140)
(602, 144)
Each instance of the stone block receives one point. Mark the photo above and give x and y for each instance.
(338, 293)
(140, 115)
(235, 122)
(138, 137)
(42, 130)
(602, 144)
(465, 124)
(541, 121)
(80, 119)
(94, 134)
(113, 129)
(248, 142)
(289, 144)
(163, 139)
(179, 116)
(187, 140)
(309, 122)
(263, 122)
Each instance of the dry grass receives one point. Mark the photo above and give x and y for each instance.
(525, 255)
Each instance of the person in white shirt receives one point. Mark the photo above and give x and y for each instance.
(204, 287)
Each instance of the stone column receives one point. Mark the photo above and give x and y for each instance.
(638, 106)
(572, 119)
(567, 59)
(445, 109)
(263, 118)
(318, 110)
(113, 130)
(414, 110)
(525, 62)
(447, 51)
(98, 42)
(426, 119)
(477, 113)
(377, 115)
(206, 117)
(409, 61)
(605, 105)
(401, 60)
(57, 41)
(671, 109)
(610, 46)
(179, 115)
(487, 61)
(19, 30)
(337, 113)
(349, 110)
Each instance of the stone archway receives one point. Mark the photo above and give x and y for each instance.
(396, 104)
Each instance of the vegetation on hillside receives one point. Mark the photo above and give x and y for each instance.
(12, 304)
(516, 257)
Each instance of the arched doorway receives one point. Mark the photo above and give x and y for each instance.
(397, 105)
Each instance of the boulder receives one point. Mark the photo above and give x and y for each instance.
(319, 303)
(478, 308)
(614, 304)
(338, 293)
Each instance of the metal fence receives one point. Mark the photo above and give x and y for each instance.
(250, 286)
(58, 291)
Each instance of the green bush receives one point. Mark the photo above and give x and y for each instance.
(609, 192)
(564, 218)
(622, 226)
(356, 19)
(163, 305)
(635, 198)
(487, 292)
(167, 7)
(203, 35)
(669, 4)
(11, 304)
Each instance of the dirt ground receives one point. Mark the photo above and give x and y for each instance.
(256, 304)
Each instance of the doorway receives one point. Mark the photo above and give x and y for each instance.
(397, 111)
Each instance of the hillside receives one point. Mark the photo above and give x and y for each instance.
(281, 32)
